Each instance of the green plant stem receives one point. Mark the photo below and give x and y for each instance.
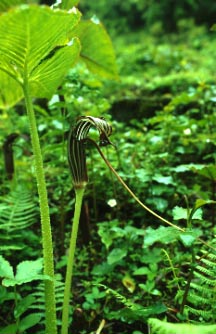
(50, 305)
(79, 192)
(187, 287)
(172, 268)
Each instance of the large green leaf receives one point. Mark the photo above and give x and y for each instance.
(46, 77)
(67, 4)
(34, 46)
(97, 50)
(10, 92)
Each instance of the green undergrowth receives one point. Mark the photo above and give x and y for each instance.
(130, 267)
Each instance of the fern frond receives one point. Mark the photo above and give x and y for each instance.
(209, 262)
(205, 291)
(198, 299)
(126, 302)
(136, 311)
(211, 256)
(202, 293)
(17, 212)
(39, 303)
(207, 271)
(205, 314)
(204, 280)
(162, 327)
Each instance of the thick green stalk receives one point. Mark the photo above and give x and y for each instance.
(50, 305)
(79, 192)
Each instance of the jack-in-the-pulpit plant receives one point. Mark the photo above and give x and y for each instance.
(76, 146)
(77, 162)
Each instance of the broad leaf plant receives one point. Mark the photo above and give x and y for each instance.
(38, 45)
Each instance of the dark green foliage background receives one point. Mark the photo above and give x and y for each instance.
(132, 14)
(163, 113)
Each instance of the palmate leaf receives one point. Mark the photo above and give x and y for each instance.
(46, 77)
(96, 49)
(34, 46)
